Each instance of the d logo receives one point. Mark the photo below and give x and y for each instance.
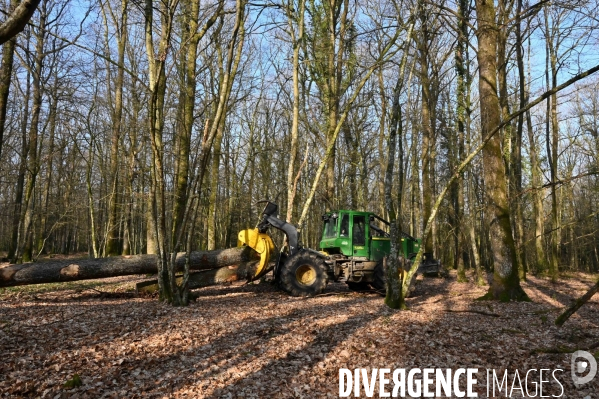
(583, 363)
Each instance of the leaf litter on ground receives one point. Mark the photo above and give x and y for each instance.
(97, 340)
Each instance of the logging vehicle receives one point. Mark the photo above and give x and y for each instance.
(353, 249)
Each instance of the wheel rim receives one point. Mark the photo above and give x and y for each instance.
(305, 275)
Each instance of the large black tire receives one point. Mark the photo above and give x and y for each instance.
(379, 279)
(379, 282)
(304, 274)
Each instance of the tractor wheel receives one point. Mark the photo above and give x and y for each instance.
(304, 274)
(357, 286)
(379, 282)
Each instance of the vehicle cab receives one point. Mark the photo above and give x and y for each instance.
(354, 234)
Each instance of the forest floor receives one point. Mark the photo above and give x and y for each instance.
(253, 341)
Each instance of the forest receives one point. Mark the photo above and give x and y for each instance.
(140, 128)
(154, 127)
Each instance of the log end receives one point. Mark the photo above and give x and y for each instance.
(70, 271)
(7, 273)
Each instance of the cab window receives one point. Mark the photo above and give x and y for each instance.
(330, 228)
(359, 233)
(344, 226)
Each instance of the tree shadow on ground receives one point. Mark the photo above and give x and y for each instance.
(119, 326)
(550, 292)
(245, 340)
(283, 371)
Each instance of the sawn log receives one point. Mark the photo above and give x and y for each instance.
(85, 269)
(205, 278)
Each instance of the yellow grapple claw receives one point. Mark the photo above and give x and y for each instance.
(259, 242)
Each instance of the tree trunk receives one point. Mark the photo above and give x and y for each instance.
(228, 67)
(27, 212)
(293, 151)
(90, 201)
(506, 283)
(552, 147)
(193, 34)
(463, 81)
(214, 186)
(381, 142)
(427, 127)
(18, 204)
(512, 142)
(414, 186)
(517, 150)
(113, 240)
(8, 52)
(49, 168)
(85, 269)
(394, 298)
(156, 97)
(537, 195)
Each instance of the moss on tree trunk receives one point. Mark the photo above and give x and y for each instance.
(506, 282)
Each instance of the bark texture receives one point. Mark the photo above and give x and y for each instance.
(8, 51)
(17, 20)
(84, 269)
(506, 283)
(205, 278)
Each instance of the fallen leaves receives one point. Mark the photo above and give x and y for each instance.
(254, 341)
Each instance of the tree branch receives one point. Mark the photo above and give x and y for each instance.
(17, 20)
(458, 171)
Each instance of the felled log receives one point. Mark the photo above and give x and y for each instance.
(241, 272)
(85, 269)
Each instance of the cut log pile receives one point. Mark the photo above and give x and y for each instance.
(231, 263)
(244, 271)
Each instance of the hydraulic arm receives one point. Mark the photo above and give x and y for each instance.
(261, 242)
